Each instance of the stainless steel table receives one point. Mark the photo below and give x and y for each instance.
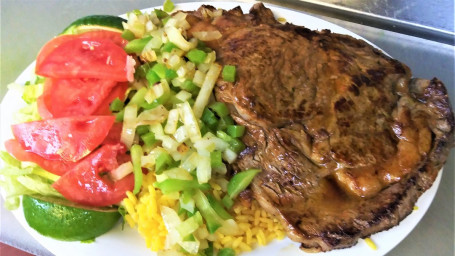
(27, 24)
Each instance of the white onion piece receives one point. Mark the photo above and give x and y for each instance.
(122, 171)
(207, 35)
(129, 125)
(206, 90)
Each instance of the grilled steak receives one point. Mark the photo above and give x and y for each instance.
(346, 139)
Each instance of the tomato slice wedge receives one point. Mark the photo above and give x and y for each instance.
(117, 92)
(54, 166)
(50, 46)
(73, 97)
(66, 138)
(88, 184)
(85, 57)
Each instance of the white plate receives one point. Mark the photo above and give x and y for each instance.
(129, 242)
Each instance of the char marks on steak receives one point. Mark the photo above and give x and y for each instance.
(346, 139)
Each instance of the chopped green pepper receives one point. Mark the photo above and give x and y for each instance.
(162, 162)
(137, 45)
(226, 252)
(228, 73)
(196, 56)
(236, 145)
(186, 201)
(167, 47)
(156, 102)
(213, 221)
(209, 250)
(224, 122)
(149, 139)
(119, 115)
(209, 119)
(152, 77)
(141, 71)
(189, 86)
(224, 136)
(190, 225)
(136, 154)
(216, 159)
(174, 185)
(168, 6)
(142, 129)
(161, 14)
(170, 74)
(220, 109)
(240, 181)
(160, 70)
(235, 131)
(138, 97)
(219, 209)
(227, 201)
(116, 105)
(128, 35)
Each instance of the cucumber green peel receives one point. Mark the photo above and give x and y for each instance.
(95, 22)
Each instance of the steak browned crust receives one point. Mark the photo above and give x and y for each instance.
(346, 139)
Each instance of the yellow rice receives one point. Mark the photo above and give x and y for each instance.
(257, 227)
(144, 212)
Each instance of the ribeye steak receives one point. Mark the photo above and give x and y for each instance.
(346, 139)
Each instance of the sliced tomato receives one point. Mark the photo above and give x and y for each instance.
(83, 57)
(66, 138)
(50, 46)
(117, 92)
(88, 183)
(114, 134)
(115, 37)
(73, 97)
(54, 166)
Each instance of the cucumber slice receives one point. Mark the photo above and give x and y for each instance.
(95, 22)
(63, 220)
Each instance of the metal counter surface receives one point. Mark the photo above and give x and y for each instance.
(27, 24)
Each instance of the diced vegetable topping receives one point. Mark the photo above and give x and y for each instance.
(228, 74)
(168, 125)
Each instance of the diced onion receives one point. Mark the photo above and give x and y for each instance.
(176, 37)
(157, 129)
(180, 134)
(220, 169)
(171, 221)
(129, 125)
(205, 144)
(190, 121)
(183, 95)
(191, 247)
(206, 89)
(148, 161)
(203, 170)
(220, 144)
(198, 78)
(121, 171)
(207, 35)
(229, 155)
(169, 144)
(150, 96)
(172, 121)
(190, 163)
(230, 228)
(156, 115)
(178, 173)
